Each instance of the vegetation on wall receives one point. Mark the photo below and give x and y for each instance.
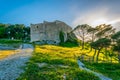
(61, 36)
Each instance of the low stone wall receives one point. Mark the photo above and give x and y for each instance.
(46, 42)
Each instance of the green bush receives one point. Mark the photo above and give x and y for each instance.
(61, 36)
(69, 44)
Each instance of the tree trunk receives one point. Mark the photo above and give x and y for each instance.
(94, 54)
(98, 55)
(83, 41)
(106, 55)
(119, 56)
(111, 59)
(90, 49)
(91, 42)
(83, 44)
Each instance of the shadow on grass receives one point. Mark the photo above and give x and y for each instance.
(69, 44)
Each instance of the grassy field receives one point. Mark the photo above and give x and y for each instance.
(7, 41)
(50, 62)
(111, 70)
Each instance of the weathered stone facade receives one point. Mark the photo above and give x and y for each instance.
(48, 32)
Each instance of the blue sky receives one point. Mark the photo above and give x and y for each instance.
(73, 12)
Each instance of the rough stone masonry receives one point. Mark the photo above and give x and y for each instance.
(48, 32)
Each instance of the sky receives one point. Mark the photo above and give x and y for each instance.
(72, 12)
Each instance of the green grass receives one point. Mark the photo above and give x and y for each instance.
(62, 60)
(59, 62)
(111, 70)
(7, 41)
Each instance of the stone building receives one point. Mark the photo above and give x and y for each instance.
(48, 32)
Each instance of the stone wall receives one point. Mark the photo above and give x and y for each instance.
(48, 32)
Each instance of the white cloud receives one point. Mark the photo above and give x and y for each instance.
(96, 17)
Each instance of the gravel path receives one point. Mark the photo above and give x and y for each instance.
(11, 67)
(102, 77)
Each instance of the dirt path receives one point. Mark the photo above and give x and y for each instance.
(102, 77)
(11, 67)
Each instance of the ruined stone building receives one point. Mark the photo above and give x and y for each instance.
(48, 32)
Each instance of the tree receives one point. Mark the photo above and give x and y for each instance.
(16, 31)
(81, 31)
(27, 33)
(104, 31)
(99, 45)
(92, 35)
(116, 39)
(2, 30)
